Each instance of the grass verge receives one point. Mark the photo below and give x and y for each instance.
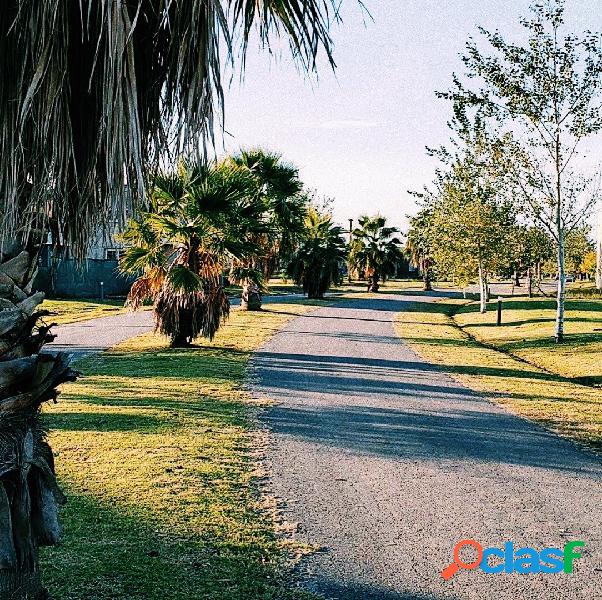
(158, 452)
(557, 402)
(527, 332)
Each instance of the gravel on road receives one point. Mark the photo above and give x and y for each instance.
(385, 463)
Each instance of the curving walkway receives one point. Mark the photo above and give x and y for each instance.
(385, 463)
(95, 335)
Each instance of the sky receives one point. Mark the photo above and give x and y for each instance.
(359, 135)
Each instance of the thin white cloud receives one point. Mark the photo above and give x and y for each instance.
(350, 124)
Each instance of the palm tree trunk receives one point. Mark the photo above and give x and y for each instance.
(374, 286)
(29, 494)
(251, 297)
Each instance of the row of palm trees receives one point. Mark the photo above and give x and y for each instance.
(239, 219)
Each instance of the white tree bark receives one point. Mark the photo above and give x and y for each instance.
(560, 297)
(482, 289)
(599, 252)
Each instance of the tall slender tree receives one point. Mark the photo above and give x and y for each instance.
(95, 94)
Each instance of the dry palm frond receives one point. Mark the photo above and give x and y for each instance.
(95, 94)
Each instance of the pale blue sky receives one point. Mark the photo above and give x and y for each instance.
(359, 135)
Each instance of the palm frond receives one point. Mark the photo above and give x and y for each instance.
(96, 94)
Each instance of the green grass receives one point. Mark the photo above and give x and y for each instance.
(583, 289)
(528, 333)
(72, 311)
(159, 453)
(553, 400)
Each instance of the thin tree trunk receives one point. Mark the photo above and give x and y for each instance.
(599, 260)
(29, 494)
(560, 296)
(559, 333)
(530, 282)
(482, 289)
(426, 276)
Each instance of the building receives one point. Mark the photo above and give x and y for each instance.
(97, 277)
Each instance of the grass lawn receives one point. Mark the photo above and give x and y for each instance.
(583, 289)
(528, 332)
(556, 401)
(158, 452)
(72, 311)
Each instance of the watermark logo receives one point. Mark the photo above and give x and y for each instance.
(514, 560)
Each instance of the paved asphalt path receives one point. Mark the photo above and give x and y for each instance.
(96, 335)
(384, 462)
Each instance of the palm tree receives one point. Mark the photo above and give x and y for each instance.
(95, 93)
(316, 264)
(375, 252)
(418, 245)
(287, 209)
(204, 219)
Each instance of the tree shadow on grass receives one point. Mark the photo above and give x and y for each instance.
(113, 553)
(104, 422)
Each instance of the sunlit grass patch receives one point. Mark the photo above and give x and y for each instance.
(555, 401)
(72, 311)
(528, 332)
(157, 450)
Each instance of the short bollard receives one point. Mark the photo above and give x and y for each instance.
(499, 311)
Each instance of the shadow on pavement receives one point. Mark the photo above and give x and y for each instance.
(331, 590)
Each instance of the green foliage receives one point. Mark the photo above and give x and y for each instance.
(287, 206)
(578, 246)
(204, 219)
(316, 263)
(544, 95)
(472, 231)
(375, 252)
(471, 221)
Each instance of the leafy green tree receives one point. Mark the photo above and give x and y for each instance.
(546, 93)
(316, 263)
(375, 251)
(472, 227)
(203, 220)
(95, 93)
